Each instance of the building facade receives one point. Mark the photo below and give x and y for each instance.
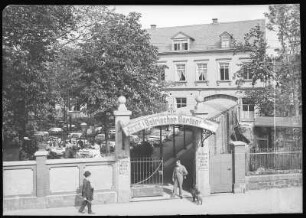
(200, 60)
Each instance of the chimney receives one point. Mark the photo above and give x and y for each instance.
(215, 21)
(153, 26)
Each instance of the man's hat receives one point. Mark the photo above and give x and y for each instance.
(87, 173)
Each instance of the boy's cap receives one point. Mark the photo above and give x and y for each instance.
(87, 173)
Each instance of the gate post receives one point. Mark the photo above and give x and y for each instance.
(201, 163)
(201, 153)
(122, 152)
(238, 166)
(42, 172)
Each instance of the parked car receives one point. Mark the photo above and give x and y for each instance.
(156, 132)
(112, 135)
(73, 127)
(100, 136)
(111, 143)
(154, 139)
(55, 130)
(112, 131)
(167, 135)
(75, 135)
(99, 129)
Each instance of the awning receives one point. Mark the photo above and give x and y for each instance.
(292, 122)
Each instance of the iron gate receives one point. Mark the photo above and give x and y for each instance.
(146, 177)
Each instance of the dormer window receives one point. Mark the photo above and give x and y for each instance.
(225, 43)
(181, 42)
(181, 45)
(225, 40)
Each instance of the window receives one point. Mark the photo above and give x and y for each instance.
(225, 41)
(181, 102)
(247, 105)
(224, 71)
(247, 74)
(177, 46)
(202, 72)
(185, 46)
(247, 113)
(180, 45)
(180, 70)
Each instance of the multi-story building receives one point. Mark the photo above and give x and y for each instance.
(200, 60)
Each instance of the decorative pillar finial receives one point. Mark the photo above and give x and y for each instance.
(122, 101)
(199, 99)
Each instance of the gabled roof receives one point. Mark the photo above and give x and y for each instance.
(181, 33)
(206, 36)
(225, 33)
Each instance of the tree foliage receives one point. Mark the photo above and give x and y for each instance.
(261, 66)
(284, 19)
(260, 63)
(117, 60)
(281, 75)
(29, 38)
(87, 53)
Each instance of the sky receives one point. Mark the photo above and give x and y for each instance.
(175, 15)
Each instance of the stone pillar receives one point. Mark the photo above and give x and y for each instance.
(42, 171)
(122, 152)
(42, 174)
(239, 166)
(201, 163)
(201, 153)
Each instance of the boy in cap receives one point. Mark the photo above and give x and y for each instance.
(87, 193)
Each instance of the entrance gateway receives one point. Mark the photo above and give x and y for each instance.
(205, 167)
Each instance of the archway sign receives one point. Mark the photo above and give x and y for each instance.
(161, 119)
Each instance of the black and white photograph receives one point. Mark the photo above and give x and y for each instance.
(151, 110)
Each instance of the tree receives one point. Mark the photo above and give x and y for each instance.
(29, 38)
(118, 59)
(284, 19)
(261, 68)
(281, 75)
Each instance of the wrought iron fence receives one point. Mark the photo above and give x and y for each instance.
(146, 171)
(273, 162)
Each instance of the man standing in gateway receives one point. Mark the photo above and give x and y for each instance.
(178, 176)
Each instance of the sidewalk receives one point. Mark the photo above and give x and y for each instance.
(285, 200)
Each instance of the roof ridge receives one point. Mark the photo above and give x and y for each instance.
(262, 19)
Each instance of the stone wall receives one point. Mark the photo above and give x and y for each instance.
(19, 178)
(273, 181)
(62, 181)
